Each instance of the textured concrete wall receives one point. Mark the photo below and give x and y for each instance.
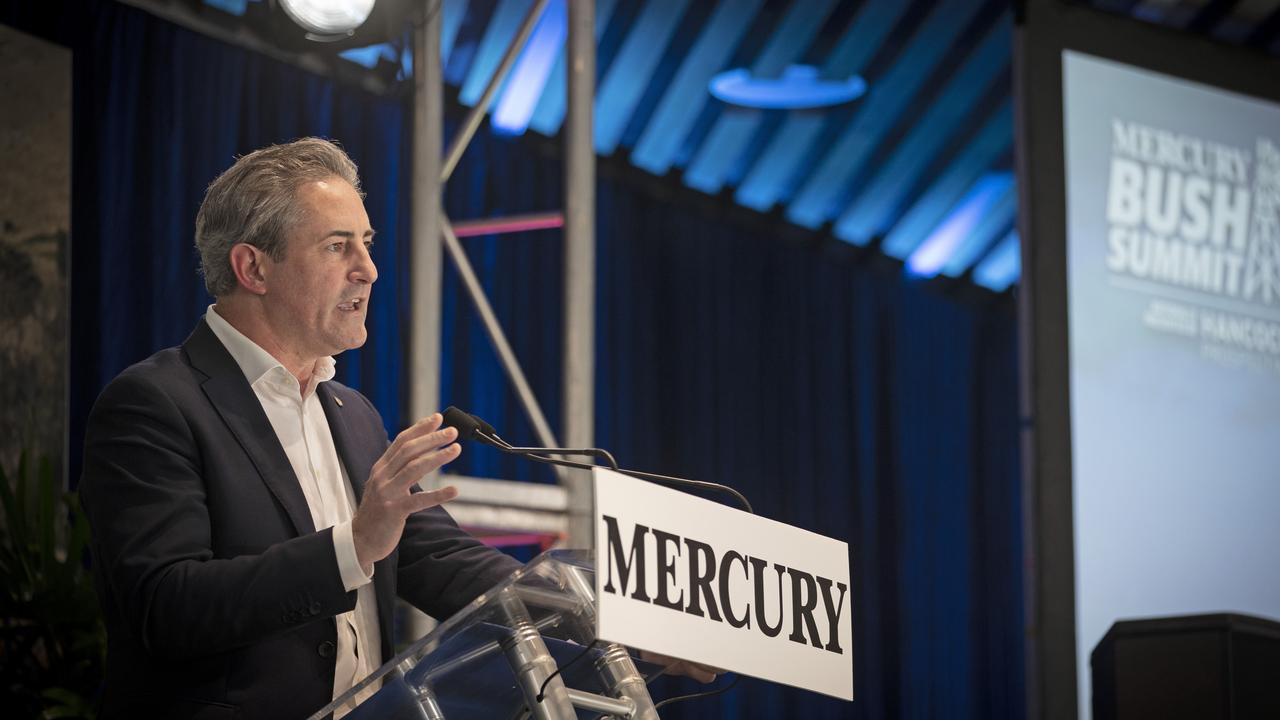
(35, 221)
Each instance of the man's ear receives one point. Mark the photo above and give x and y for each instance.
(249, 265)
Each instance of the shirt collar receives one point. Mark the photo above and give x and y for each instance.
(255, 362)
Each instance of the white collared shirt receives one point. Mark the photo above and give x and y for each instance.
(303, 430)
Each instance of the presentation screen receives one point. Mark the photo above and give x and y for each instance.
(1173, 307)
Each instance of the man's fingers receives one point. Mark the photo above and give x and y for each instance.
(699, 674)
(697, 671)
(673, 666)
(418, 447)
(417, 468)
(426, 425)
(417, 502)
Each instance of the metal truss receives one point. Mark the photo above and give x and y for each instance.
(510, 510)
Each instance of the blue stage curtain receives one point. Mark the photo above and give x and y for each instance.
(839, 396)
(842, 399)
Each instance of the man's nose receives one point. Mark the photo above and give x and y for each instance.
(365, 270)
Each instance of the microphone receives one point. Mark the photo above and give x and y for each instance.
(486, 428)
(471, 427)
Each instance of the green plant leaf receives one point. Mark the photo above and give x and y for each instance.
(66, 703)
(61, 695)
(20, 492)
(13, 496)
(52, 638)
(78, 532)
(12, 513)
(46, 522)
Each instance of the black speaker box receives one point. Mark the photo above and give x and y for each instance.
(1198, 667)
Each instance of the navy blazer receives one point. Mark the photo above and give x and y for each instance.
(218, 592)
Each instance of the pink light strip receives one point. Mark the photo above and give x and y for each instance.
(514, 223)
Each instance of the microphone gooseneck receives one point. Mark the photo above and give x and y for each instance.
(471, 427)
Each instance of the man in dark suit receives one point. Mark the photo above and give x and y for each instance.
(251, 523)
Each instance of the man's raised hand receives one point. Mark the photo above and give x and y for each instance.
(388, 494)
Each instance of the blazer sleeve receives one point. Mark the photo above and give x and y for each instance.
(441, 568)
(144, 492)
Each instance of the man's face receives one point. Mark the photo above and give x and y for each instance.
(318, 295)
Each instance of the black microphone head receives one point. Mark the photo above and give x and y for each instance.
(463, 421)
(485, 427)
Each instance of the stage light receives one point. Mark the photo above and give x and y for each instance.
(328, 19)
(1002, 266)
(933, 252)
(524, 87)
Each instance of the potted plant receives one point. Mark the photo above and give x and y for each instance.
(52, 638)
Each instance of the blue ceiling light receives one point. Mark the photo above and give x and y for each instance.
(1002, 266)
(498, 35)
(548, 114)
(723, 148)
(776, 171)
(799, 88)
(823, 192)
(979, 153)
(370, 56)
(234, 7)
(524, 86)
(995, 224)
(624, 82)
(453, 13)
(965, 218)
(677, 111)
(891, 182)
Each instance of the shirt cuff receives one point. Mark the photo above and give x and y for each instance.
(344, 545)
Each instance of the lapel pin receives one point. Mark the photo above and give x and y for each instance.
(337, 400)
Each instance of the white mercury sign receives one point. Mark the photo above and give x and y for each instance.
(693, 579)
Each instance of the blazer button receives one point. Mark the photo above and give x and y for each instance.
(315, 608)
(326, 649)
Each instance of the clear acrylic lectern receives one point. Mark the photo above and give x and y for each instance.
(521, 650)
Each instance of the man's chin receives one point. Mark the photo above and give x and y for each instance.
(346, 341)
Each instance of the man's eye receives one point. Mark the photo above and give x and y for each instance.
(336, 247)
(368, 244)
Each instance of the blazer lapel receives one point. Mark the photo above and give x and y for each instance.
(358, 451)
(353, 451)
(233, 398)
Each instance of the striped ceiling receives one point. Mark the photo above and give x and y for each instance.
(920, 166)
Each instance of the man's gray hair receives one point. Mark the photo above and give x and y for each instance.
(253, 202)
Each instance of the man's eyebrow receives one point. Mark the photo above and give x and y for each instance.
(348, 234)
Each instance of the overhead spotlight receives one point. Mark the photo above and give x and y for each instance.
(328, 20)
(326, 28)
